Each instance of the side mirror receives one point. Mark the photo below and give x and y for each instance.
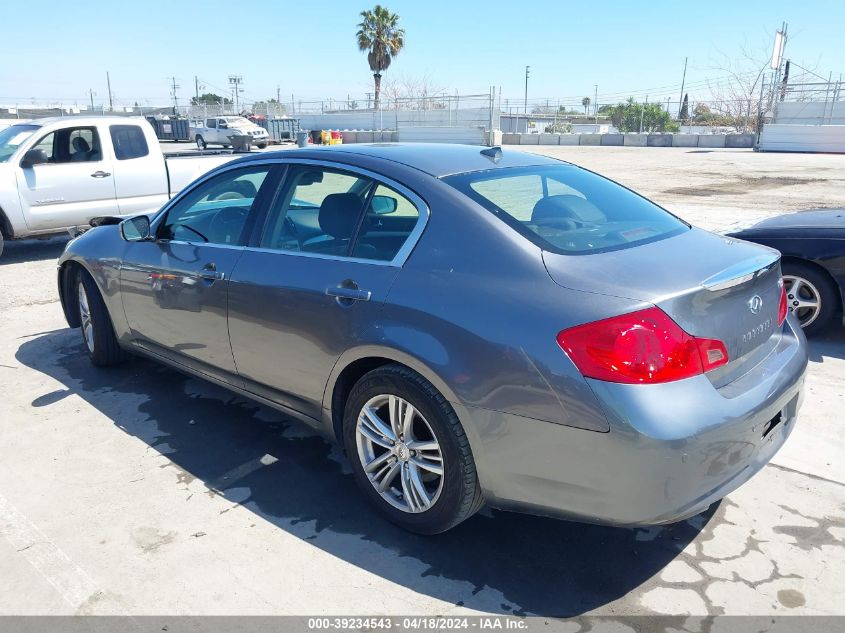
(383, 205)
(34, 157)
(136, 229)
(223, 126)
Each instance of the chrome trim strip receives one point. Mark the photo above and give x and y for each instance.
(741, 272)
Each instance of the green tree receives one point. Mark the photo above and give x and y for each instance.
(209, 98)
(379, 35)
(629, 116)
(586, 101)
(683, 115)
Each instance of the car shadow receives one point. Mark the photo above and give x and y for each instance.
(20, 251)
(828, 344)
(537, 565)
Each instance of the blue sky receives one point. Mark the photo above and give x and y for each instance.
(308, 47)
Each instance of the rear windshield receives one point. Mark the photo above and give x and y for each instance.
(568, 210)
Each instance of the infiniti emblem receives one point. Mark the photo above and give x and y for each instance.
(755, 303)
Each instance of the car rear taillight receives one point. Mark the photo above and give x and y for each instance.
(641, 347)
(782, 308)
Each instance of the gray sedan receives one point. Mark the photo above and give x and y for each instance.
(472, 325)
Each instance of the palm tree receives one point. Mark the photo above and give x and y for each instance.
(586, 101)
(379, 34)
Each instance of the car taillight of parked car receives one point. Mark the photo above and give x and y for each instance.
(641, 347)
(782, 306)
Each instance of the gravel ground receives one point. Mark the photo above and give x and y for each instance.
(139, 490)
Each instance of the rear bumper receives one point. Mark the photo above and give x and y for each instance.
(672, 449)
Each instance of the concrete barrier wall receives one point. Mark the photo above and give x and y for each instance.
(711, 140)
(633, 140)
(740, 140)
(659, 140)
(616, 140)
(685, 140)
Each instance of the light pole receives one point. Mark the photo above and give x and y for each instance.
(527, 72)
(596, 106)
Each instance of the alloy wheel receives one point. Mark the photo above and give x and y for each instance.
(399, 453)
(802, 298)
(85, 318)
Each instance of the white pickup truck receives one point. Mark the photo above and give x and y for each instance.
(218, 130)
(59, 173)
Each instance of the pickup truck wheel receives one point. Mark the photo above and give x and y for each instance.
(96, 324)
(261, 145)
(1, 242)
(201, 144)
(409, 453)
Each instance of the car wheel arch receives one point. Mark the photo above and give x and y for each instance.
(5, 226)
(354, 363)
(822, 270)
(68, 290)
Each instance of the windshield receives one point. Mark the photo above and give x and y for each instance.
(568, 210)
(12, 137)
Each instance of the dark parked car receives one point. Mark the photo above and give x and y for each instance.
(472, 325)
(812, 246)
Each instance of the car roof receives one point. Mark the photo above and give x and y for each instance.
(81, 120)
(435, 159)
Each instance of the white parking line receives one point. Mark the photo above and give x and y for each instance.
(70, 580)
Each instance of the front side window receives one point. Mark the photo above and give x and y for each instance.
(216, 211)
(317, 212)
(330, 212)
(129, 142)
(568, 210)
(71, 145)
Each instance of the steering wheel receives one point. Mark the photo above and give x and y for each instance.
(227, 224)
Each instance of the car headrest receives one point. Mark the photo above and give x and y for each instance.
(338, 214)
(80, 145)
(565, 207)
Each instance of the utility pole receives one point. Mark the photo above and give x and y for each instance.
(92, 93)
(683, 81)
(527, 73)
(642, 114)
(235, 81)
(596, 106)
(196, 89)
(173, 88)
(108, 83)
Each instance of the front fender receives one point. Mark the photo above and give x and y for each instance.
(99, 252)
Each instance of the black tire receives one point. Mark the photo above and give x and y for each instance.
(828, 295)
(201, 144)
(460, 496)
(261, 145)
(103, 349)
(1, 243)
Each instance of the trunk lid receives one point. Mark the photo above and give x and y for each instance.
(712, 286)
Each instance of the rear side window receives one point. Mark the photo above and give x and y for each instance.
(339, 214)
(129, 142)
(568, 210)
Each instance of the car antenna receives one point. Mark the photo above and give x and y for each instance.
(493, 153)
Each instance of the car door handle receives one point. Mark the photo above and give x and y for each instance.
(100, 174)
(210, 272)
(354, 294)
(211, 275)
